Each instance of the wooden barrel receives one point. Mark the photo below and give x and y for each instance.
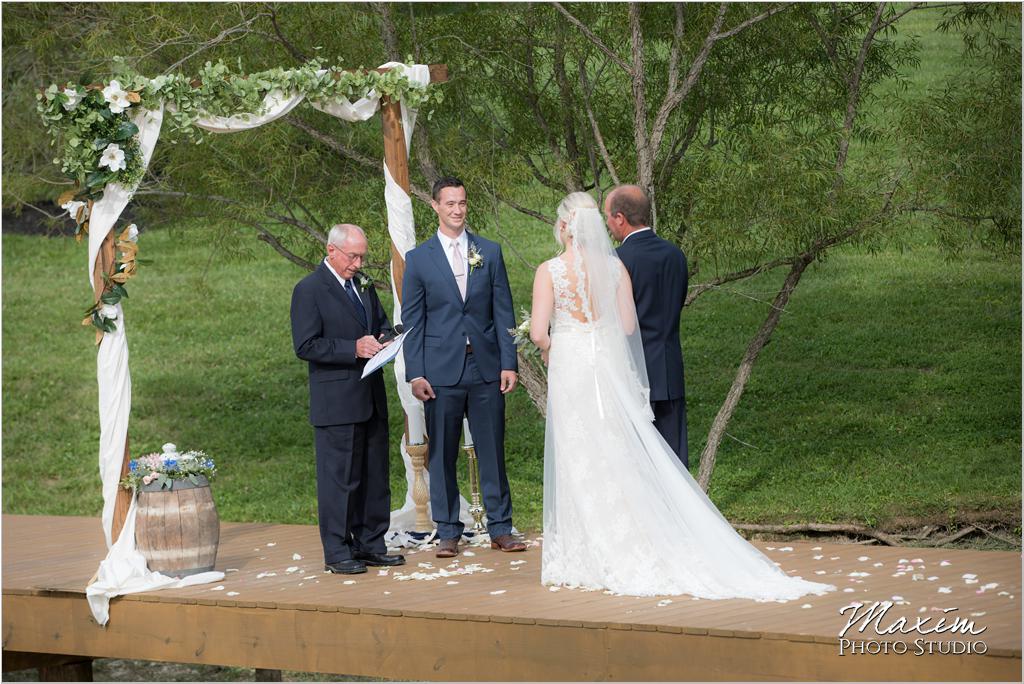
(177, 530)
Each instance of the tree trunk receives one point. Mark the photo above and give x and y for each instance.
(739, 384)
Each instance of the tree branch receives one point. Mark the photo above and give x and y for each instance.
(699, 289)
(349, 153)
(288, 45)
(674, 98)
(753, 20)
(593, 38)
(594, 127)
(222, 37)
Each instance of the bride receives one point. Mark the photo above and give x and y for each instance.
(620, 511)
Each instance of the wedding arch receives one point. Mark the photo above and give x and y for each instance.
(107, 134)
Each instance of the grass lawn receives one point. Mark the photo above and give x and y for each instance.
(891, 388)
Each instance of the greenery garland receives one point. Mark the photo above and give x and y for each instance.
(91, 126)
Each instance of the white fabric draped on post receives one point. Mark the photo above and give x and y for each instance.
(124, 569)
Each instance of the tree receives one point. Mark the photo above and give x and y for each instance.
(745, 122)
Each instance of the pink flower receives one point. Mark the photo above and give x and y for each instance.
(149, 478)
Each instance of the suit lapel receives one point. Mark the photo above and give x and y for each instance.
(336, 291)
(440, 258)
(470, 271)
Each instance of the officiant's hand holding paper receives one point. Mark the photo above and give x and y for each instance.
(367, 347)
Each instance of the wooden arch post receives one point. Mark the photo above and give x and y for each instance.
(396, 156)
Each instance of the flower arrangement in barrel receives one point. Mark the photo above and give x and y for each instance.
(166, 467)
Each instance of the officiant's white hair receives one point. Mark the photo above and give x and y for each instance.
(341, 232)
(574, 200)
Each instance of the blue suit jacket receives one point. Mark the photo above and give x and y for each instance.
(658, 271)
(439, 321)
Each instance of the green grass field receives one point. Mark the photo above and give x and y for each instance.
(892, 387)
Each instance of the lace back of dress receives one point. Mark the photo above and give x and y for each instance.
(572, 305)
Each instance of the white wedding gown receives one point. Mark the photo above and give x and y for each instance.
(621, 513)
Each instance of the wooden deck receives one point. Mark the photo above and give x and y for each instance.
(277, 609)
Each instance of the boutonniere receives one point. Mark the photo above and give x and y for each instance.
(364, 280)
(474, 257)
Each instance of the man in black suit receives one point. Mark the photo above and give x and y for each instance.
(337, 324)
(658, 271)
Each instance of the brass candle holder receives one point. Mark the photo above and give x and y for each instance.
(476, 508)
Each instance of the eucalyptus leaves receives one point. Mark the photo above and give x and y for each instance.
(91, 123)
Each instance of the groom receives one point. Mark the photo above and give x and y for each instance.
(658, 271)
(460, 360)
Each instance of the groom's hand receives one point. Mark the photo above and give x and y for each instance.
(422, 390)
(508, 381)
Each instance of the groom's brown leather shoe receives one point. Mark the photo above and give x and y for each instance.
(448, 548)
(507, 543)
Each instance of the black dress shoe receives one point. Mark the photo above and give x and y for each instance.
(346, 567)
(380, 559)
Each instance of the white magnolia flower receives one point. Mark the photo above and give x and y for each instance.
(109, 311)
(72, 207)
(113, 158)
(74, 97)
(133, 236)
(116, 97)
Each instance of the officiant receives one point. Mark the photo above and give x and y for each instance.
(337, 324)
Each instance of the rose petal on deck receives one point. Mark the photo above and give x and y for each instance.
(498, 592)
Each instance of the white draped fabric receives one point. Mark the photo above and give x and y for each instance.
(124, 569)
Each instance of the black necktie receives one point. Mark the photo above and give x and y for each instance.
(356, 303)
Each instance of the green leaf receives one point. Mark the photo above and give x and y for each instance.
(97, 178)
(126, 130)
(193, 479)
(100, 143)
(120, 290)
(110, 298)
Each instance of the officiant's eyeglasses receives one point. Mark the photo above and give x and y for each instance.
(352, 257)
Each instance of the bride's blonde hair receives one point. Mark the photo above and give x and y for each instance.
(572, 201)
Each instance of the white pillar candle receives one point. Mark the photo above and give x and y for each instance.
(417, 425)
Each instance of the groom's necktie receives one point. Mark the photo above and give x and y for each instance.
(459, 268)
(360, 310)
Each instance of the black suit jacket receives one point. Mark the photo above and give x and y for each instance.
(658, 271)
(325, 327)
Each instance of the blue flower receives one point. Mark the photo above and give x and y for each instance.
(133, 466)
(171, 464)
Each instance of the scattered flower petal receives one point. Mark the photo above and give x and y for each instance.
(271, 543)
(292, 569)
(806, 605)
(232, 593)
(219, 587)
(498, 592)
(945, 590)
(863, 558)
(944, 563)
(266, 574)
(664, 602)
(296, 556)
(349, 582)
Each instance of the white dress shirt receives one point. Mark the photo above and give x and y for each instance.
(638, 230)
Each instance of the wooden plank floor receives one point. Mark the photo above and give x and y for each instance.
(280, 568)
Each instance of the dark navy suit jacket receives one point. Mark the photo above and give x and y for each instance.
(658, 271)
(325, 327)
(438, 321)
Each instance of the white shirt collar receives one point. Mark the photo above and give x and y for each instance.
(333, 272)
(638, 230)
(446, 241)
